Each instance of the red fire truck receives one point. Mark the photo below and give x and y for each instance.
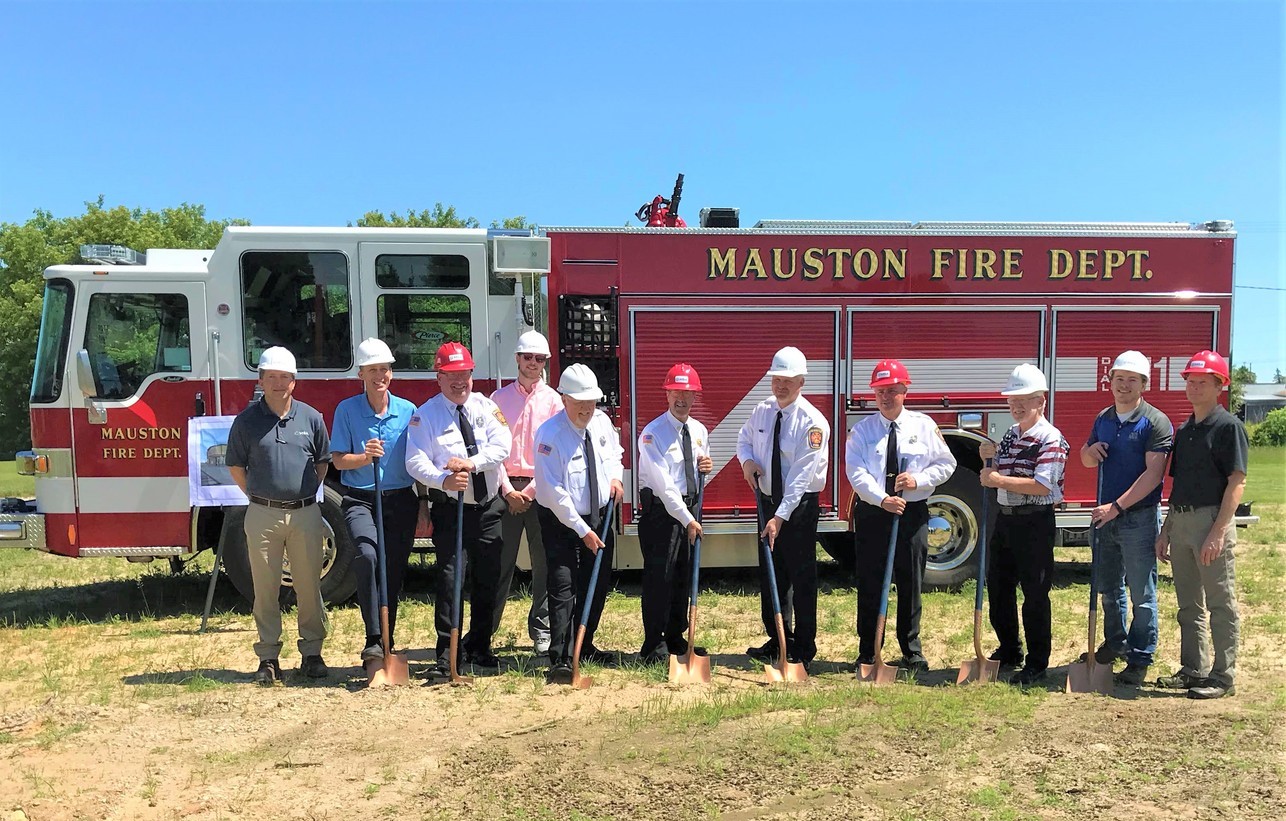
(127, 353)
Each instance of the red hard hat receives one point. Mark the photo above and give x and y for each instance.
(889, 372)
(1208, 362)
(682, 377)
(453, 357)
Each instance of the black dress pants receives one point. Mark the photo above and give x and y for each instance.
(568, 565)
(872, 527)
(1022, 555)
(795, 562)
(401, 514)
(482, 544)
(667, 574)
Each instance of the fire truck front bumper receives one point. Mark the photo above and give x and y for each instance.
(21, 525)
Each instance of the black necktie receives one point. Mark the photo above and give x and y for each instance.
(689, 468)
(591, 477)
(471, 448)
(777, 492)
(891, 460)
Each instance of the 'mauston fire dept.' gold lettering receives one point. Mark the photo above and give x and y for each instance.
(143, 435)
(815, 263)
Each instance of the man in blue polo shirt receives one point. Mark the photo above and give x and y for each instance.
(1129, 442)
(370, 426)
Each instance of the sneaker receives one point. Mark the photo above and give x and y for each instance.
(560, 673)
(1133, 675)
(1103, 655)
(314, 667)
(1007, 659)
(766, 652)
(1180, 681)
(483, 658)
(268, 674)
(1211, 688)
(373, 651)
(540, 645)
(1028, 676)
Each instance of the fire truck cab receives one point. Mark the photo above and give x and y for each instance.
(129, 352)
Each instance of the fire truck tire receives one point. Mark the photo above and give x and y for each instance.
(955, 510)
(338, 581)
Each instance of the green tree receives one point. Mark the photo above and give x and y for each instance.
(1241, 376)
(436, 217)
(1279, 377)
(45, 240)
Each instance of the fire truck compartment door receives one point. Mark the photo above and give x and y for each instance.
(731, 349)
(146, 346)
(1087, 341)
(959, 353)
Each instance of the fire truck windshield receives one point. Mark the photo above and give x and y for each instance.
(51, 349)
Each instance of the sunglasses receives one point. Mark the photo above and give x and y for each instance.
(535, 357)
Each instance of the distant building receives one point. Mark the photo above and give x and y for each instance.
(1261, 399)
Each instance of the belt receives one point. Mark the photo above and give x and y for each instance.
(293, 504)
(1188, 508)
(1023, 510)
(520, 482)
(367, 493)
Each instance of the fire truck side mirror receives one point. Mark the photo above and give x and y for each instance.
(84, 373)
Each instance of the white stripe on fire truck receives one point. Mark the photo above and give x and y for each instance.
(944, 375)
(137, 494)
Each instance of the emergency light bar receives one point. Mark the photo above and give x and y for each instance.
(112, 255)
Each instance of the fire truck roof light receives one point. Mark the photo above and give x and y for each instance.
(112, 255)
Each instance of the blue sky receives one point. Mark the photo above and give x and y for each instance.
(576, 113)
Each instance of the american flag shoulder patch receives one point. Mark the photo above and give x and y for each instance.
(415, 420)
(647, 438)
(543, 448)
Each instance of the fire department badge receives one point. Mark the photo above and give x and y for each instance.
(500, 417)
(602, 441)
(815, 438)
(913, 440)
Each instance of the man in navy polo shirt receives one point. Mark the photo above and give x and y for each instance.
(278, 454)
(1129, 443)
(370, 426)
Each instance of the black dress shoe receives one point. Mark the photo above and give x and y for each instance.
(1212, 688)
(373, 651)
(655, 655)
(1180, 681)
(1007, 659)
(560, 673)
(314, 667)
(766, 652)
(867, 660)
(593, 655)
(914, 665)
(483, 658)
(268, 674)
(1028, 676)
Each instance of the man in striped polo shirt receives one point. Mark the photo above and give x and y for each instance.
(1028, 478)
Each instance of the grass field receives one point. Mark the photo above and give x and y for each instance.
(113, 706)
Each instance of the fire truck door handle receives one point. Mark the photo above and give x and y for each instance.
(199, 405)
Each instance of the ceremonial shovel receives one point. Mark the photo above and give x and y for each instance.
(693, 667)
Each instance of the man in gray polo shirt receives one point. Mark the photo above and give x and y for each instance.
(278, 453)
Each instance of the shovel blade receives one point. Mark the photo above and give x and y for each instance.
(395, 670)
(879, 673)
(982, 670)
(580, 682)
(773, 674)
(795, 672)
(1084, 677)
(692, 668)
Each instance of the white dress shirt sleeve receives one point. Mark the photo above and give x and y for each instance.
(550, 491)
(807, 464)
(496, 440)
(420, 447)
(868, 487)
(942, 462)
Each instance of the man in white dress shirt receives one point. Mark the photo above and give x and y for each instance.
(578, 468)
(876, 446)
(673, 448)
(786, 443)
(456, 442)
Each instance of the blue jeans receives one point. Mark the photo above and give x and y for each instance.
(1127, 558)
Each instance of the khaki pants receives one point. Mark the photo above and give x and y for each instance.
(1207, 597)
(296, 534)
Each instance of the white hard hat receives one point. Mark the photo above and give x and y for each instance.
(533, 342)
(277, 358)
(1024, 380)
(373, 352)
(579, 382)
(789, 362)
(1132, 361)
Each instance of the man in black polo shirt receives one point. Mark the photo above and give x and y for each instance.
(278, 453)
(1209, 470)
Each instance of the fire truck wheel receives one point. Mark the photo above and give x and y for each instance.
(952, 535)
(338, 582)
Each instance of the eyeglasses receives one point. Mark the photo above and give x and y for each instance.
(535, 357)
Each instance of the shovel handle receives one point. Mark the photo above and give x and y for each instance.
(459, 560)
(696, 546)
(1098, 500)
(893, 544)
(598, 562)
(982, 549)
(767, 550)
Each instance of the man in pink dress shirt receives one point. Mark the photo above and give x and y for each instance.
(527, 403)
